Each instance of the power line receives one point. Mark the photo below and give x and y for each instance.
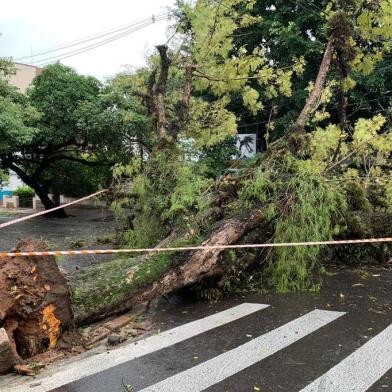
(95, 45)
(93, 37)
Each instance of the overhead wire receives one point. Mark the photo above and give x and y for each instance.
(92, 38)
(89, 38)
(63, 56)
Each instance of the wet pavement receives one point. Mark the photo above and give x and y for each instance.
(363, 297)
(79, 231)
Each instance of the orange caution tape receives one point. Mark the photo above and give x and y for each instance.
(189, 248)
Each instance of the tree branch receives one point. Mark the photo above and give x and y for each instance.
(317, 89)
(160, 92)
(78, 160)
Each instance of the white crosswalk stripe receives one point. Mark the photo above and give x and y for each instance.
(203, 376)
(359, 371)
(98, 363)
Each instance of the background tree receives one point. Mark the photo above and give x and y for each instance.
(65, 117)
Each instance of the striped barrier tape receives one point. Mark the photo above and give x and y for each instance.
(24, 218)
(189, 248)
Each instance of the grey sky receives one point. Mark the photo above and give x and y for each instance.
(33, 26)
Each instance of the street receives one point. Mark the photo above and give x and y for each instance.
(82, 227)
(335, 341)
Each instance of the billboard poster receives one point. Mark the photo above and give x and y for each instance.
(246, 145)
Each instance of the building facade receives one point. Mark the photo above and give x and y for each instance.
(24, 76)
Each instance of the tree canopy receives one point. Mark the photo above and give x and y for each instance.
(65, 117)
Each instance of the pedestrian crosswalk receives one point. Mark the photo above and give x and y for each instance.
(357, 372)
(101, 362)
(219, 368)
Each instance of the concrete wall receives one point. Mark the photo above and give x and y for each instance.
(4, 193)
(10, 201)
(90, 203)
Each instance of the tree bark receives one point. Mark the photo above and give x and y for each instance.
(317, 89)
(47, 202)
(198, 266)
(160, 92)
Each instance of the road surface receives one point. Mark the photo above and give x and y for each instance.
(82, 227)
(338, 340)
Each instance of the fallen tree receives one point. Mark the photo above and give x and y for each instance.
(195, 267)
(291, 187)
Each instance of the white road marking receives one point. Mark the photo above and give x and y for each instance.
(100, 362)
(359, 371)
(215, 370)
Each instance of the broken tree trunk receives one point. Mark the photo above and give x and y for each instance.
(317, 89)
(114, 286)
(35, 305)
(206, 263)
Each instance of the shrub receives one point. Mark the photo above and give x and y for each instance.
(24, 191)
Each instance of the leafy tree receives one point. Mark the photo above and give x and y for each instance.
(187, 92)
(65, 117)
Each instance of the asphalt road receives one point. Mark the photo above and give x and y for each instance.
(337, 340)
(81, 228)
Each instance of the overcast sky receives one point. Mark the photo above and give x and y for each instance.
(34, 26)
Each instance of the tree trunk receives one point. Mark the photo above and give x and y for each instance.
(48, 203)
(317, 89)
(160, 92)
(39, 191)
(198, 266)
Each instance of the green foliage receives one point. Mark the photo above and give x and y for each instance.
(356, 197)
(114, 281)
(167, 192)
(311, 216)
(24, 191)
(388, 192)
(6, 67)
(17, 119)
(66, 133)
(209, 124)
(75, 179)
(365, 225)
(214, 160)
(190, 186)
(302, 206)
(3, 177)
(237, 71)
(57, 93)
